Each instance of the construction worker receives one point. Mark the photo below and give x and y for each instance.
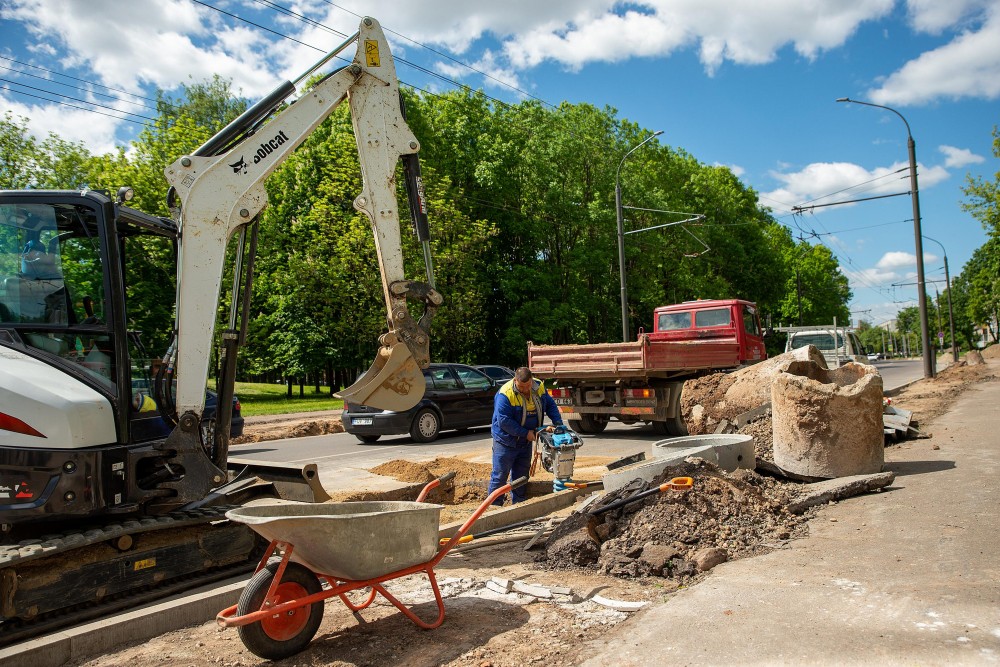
(519, 409)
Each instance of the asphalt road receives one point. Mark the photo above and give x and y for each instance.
(343, 460)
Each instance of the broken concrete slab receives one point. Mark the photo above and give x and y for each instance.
(532, 589)
(830, 490)
(618, 605)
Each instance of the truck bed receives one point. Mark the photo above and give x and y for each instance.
(636, 359)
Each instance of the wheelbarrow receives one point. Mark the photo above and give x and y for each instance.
(332, 549)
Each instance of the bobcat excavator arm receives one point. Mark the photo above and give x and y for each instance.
(221, 190)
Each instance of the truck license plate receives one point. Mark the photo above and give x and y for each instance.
(363, 421)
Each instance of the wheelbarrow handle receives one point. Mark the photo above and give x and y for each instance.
(434, 483)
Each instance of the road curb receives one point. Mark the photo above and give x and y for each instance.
(101, 636)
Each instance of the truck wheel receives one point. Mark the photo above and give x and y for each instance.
(589, 424)
(426, 426)
(282, 635)
(675, 427)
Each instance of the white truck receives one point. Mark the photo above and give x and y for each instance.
(839, 345)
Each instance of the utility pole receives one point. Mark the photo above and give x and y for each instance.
(928, 357)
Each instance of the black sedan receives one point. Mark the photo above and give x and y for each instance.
(499, 373)
(457, 397)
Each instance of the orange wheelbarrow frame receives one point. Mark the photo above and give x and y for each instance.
(271, 608)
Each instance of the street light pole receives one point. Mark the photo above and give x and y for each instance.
(921, 292)
(951, 316)
(621, 235)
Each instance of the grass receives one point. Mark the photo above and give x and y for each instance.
(258, 398)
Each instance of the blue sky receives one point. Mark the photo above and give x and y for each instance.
(748, 85)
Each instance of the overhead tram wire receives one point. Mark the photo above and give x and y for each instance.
(74, 78)
(72, 106)
(80, 88)
(75, 99)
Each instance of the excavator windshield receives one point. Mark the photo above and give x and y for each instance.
(52, 292)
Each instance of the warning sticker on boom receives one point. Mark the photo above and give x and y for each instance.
(371, 53)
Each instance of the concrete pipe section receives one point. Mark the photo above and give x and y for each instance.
(828, 423)
(729, 452)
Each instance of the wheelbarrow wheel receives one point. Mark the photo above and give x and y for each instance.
(285, 634)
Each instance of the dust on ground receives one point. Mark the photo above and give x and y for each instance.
(484, 628)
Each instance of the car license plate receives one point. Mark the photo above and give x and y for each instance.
(362, 421)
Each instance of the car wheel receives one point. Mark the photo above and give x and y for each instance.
(368, 438)
(426, 426)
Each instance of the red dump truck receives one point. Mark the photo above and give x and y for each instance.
(641, 380)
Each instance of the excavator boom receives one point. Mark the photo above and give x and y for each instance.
(221, 190)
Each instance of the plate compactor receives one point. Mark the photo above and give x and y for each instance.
(557, 450)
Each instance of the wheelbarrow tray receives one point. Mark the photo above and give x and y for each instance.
(350, 541)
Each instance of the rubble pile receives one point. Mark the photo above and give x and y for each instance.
(762, 432)
(711, 399)
(677, 534)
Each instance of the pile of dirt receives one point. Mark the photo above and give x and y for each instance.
(679, 534)
(468, 486)
(991, 352)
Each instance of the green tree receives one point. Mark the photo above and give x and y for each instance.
(984, 195)
(27, 163)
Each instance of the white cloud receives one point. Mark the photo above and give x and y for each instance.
(827, 182)
(896, 259)
(959, 157)
(747, 34)
(968, 66)
(933, 16)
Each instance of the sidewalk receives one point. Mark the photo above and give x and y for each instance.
(905, 577)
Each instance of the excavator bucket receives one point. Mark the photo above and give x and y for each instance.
(394, 382)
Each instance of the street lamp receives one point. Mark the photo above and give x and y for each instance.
(951, 316)
(921, 292)
(621, 235)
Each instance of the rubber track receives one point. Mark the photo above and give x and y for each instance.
(50, 545)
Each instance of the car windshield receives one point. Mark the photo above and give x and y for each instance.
(822, 341)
